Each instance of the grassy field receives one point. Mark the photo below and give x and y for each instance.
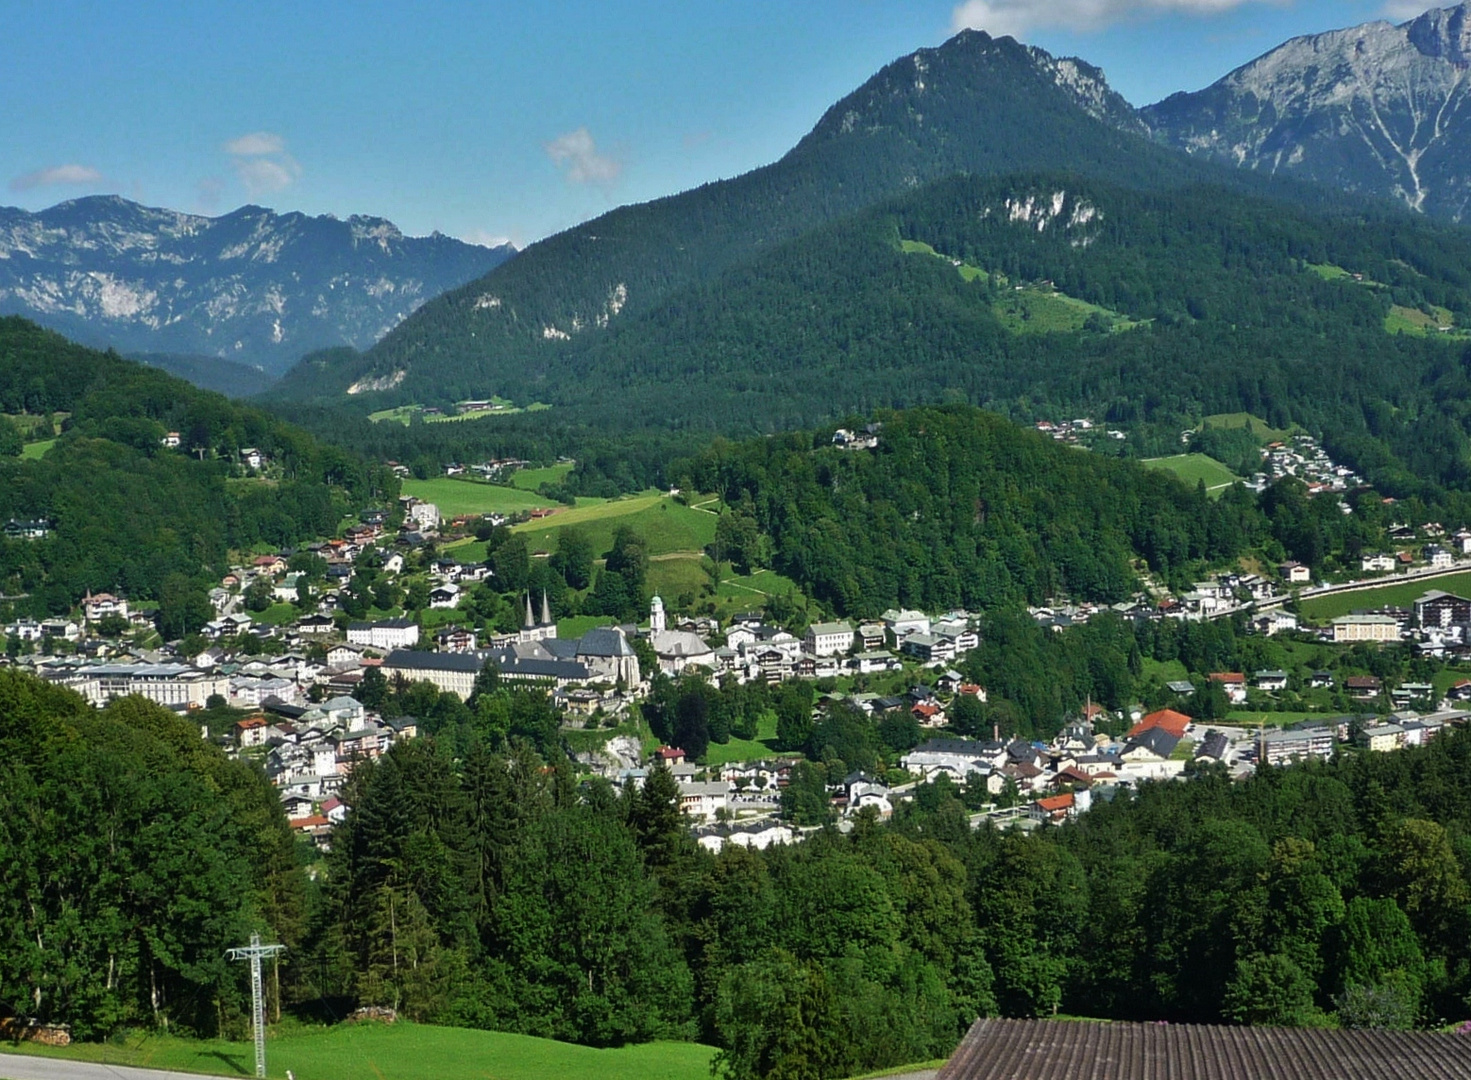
(676, 575)
(454, 496)
(1268, 719)
(1439, 322)
(531, 479)
(37, 450)
(405, 413)
(1259, 427)
(276, 614)
(667, 525)
(762, 746)
(401, 1052)
(578, 625)
(1192, 468)
(1401, 594)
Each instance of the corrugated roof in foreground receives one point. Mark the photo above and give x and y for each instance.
(1067, 1050)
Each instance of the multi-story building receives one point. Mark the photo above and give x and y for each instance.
(1351, 628)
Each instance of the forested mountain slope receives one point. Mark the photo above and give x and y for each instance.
(128, 514)
(1379, 109)
(1047, 295)
(974, 105)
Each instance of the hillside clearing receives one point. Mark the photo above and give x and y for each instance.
(1193, 468)
(399, 1051)
(1264, 431)
(454, 496)
(1030, 308)
(665, 524)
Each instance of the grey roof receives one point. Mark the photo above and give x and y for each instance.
(417, 660)
(604, 641)
(1157, 741)
(1061, 1050)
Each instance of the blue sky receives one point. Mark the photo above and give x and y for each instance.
(498, 120)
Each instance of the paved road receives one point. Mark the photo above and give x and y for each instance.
(25, 1067)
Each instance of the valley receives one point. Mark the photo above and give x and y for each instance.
(1009, 556)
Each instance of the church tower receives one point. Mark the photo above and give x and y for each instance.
(656, 617)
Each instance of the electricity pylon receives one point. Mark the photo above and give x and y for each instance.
(254, 952)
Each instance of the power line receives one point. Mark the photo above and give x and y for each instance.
(254, 952)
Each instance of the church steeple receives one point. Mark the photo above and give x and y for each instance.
(530, 619)
(546, 610)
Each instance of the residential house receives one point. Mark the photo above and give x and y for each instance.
(1380, 563)
(1270, 680)
(828, 639)
(928, 648)
(28, 529)
(1295, 573)
(444, 596)
(1363, 687)
(1176, 723)
(1233, 683)
(101, 606)
(704, 800)
(1438, 557)
(900, 624)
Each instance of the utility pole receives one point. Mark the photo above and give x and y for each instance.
(254, 952)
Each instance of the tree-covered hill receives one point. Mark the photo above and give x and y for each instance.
(126, 513)
(135, 854)
(959, 508)
(974, 105)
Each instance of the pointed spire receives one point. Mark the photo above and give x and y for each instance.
(529, 617)
(546, 610)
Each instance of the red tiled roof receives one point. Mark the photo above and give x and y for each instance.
(315, 821)
(1056, 802)
(1227, 676)
(1168, 719)
(925, 710)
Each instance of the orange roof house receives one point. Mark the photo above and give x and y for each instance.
(1168, 719)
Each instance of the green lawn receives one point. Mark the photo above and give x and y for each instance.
(531, 479)
(400, 1052)
(1268, 719)
(276, 614)
(1401, 594)
(404, 413)
(37, 450)
(454, 496)
(673, 576)
(666, 525)
(1193, 468)
(762, 746)
(578, 625)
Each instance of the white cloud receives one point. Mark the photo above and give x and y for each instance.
(1017, 17)
(579, 154)
(59, 174)
(1409, 9)
(255, 144)
(262, 163)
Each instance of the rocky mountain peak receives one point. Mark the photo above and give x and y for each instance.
(1444, 34)
(1377, 108)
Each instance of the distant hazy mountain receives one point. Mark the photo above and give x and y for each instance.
(253, 286)
(1378, 109)
(976, 104)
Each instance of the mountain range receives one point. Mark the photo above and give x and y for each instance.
(1381, 109)
(251, 287)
